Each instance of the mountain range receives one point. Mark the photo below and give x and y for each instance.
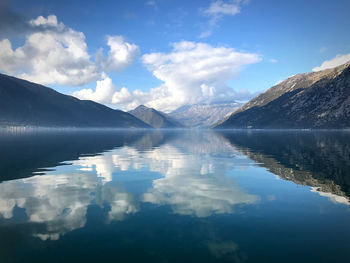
(155, 118)
(317, 100)
(23, 103)
(312, 100)
(204, 115)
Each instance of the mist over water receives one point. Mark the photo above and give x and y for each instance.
(174, 196)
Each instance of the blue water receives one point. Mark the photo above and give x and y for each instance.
(174, 196)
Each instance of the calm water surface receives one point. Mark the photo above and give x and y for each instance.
(174, 196)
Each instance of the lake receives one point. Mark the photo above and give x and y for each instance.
(174, 196)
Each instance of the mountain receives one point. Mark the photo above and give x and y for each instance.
(154, 118)
(204, 115)
(26, 103)
(312, 100)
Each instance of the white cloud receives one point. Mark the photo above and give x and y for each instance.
(105, 92)
(129, 99)
(55, 55)
(272, 60)
(220, 7)
(217, 10)
(334, 62)
(194, 72)
(191, 73)
(121, 54)
(102, 94)
(50, 21)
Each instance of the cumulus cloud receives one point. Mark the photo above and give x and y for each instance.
(121, 54)
(191, 73)
(54, 53)
(57, 55)
(129, 100)
(194, 73)
(102, 94)
(106, 92)
(334, 62)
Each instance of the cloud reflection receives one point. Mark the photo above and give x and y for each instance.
(192, 182)
(197, 186)
(61, 201)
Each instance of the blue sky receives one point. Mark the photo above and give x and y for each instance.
(286, 38)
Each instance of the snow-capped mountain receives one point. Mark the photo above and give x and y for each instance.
(204, 115)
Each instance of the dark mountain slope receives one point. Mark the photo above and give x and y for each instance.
(27, 103)
(313, 100)
(155, 118)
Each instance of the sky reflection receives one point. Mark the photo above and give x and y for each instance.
(191, 180)
(190, 173)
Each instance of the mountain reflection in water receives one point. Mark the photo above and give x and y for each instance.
(318, 159)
